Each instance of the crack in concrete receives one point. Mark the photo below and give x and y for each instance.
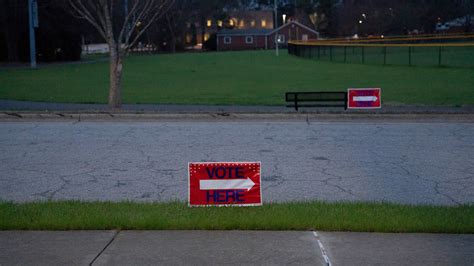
(105, 247)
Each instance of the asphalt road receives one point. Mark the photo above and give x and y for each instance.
(404, 162)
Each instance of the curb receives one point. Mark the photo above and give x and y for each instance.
(227, 117)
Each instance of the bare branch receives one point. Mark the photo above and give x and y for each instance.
(80, 11)
(145, 9)
(99, 13)
(96, 6)
(126, 22)
(157, 12)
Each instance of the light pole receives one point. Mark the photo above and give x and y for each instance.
(32, 24)
(276, 27)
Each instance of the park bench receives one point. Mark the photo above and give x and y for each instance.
(316, 99)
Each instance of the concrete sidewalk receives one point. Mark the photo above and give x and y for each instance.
(232, 247)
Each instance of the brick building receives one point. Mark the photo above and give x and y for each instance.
(199, 32)
(245, 39)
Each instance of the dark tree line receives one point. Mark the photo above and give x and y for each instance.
(58, 37)
(169, 32)
(397, 17)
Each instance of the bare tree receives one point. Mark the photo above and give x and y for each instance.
(120, 32)
(176, 21)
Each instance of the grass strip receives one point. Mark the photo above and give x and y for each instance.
(250, 78)
(315, 215)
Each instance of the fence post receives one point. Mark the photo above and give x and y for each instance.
(384, 55)
(439, 56)
(409, 55)
(345, 54)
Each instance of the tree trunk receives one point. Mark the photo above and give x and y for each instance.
(173, 44)
(173, 35)
(116, 67)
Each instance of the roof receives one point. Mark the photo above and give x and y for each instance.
(296, 23)
(244, 32)
(262, 31)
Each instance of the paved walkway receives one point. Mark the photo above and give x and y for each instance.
(232, 248)
(8, 105)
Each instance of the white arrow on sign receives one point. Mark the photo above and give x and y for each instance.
(226, 184)
(364, 98)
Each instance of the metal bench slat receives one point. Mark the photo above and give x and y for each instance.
(332, 99)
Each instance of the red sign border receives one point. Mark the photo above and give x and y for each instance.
(359, 89)
(224, 205)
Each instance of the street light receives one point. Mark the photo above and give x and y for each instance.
(284, 18)
(32, 23)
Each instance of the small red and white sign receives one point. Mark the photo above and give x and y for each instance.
(364, 98)
(224, 183)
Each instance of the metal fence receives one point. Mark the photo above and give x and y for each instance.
(451, 50)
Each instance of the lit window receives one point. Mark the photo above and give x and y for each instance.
(231, 22)
(248, 39)
(219, 23)
(280, 38)
(264, 23)
(206, 36)
(209, 23)
(252, 23)
(227, 40)
(242, 24)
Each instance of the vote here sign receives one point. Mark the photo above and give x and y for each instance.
(364, 98)
(224, 183)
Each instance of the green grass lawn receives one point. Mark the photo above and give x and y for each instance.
(243, 78)
(342, 216)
